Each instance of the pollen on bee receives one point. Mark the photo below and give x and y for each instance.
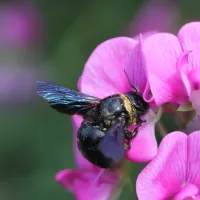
(128, 106)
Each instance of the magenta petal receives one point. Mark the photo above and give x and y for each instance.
(155, 15)
(67, 177)
(138, 70)
(89, 190)
(21, 24)
(163, 176)
(194, 77)
(189, 38)
(104, 75)
(12, 80)
(184, 67)
(188, 191)
(194, 98)
(87, 185)
(161, 53)
(193, 160)
(144, 146)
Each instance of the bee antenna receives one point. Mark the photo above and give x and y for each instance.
(130, 81)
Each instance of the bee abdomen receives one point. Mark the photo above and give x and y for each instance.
(89, 136)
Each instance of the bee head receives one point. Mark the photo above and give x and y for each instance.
(136, 99)
(138, 102)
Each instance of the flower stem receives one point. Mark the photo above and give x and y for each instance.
(162, 129)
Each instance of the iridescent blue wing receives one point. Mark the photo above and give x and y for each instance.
(65, 100)
(112, 144)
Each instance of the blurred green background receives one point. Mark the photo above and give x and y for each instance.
(35, 141)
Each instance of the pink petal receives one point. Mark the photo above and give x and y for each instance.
(144, 145)
(67, 178)
(193, 160)
(163, 176)
(12, 80)
(138, 70)
(194, 77)
(183, 67)
(104, 75)
(21, 24)
(87, 185)
(90, 191)
(161, 53)
(155, 15)
(187, 191)
(81, 162)
(190, 40)
(194, 98)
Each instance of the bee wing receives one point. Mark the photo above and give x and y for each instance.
(112, 144)
(65, 100)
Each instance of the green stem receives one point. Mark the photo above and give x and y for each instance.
(162, 129)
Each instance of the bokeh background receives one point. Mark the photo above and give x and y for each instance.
(51, 40)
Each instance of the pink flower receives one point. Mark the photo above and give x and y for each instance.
(173, 66)
(104, 75)
(88, 181)
(17, 85)
(174, 172)
(20, 24)
(155, 15)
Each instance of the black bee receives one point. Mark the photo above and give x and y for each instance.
(103, 137)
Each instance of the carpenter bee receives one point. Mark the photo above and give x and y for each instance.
(103, 136)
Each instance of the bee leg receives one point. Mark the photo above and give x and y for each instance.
(127, 145)
(140, 121)
(134, 132)
(143, 121)
(128, 135)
